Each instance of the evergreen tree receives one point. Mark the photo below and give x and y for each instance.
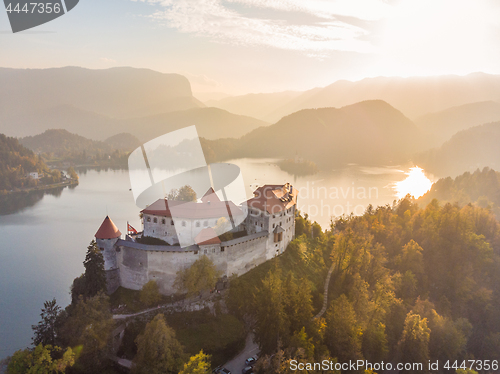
(45, 331)
(95, 276)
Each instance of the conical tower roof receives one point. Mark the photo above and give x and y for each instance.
(108, 230)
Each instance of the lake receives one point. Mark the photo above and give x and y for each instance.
(44, 244)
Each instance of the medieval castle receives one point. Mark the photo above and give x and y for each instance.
(266, 226)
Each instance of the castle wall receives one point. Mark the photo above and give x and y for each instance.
(140, 263)
(108, 252)
(112, 280)
(133, 265)
(244, 256)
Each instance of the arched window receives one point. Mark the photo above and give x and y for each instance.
(149, 219)
(155, 220)
(163, 221)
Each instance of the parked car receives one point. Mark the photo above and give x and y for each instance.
(251, 361)
(247, 370)
(221, 370)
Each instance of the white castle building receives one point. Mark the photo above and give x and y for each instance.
(263, 228)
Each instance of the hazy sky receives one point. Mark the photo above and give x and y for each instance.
(240, 46)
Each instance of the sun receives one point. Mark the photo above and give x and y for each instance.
(416, 184)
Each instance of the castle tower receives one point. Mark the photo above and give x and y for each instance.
(106, 237)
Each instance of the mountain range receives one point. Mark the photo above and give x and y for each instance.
(444, 124)
(413, 96)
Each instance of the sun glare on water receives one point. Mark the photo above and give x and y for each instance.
(416, 184)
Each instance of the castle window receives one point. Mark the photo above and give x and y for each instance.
(183, 223)
(155, 220)
(149, 219)
(222, 249)
(163, 221)
(278, 237)
(205, 223)
(102, 249)
(197, 223)
(195, 252)
(205, 251)
(172, 222)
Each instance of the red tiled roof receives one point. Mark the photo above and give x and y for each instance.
(273, 198)
(206, 237)
(210, 195)
(108, 230)
(192, 210)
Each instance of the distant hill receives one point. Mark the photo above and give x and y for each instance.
(369, 132)
(414, 96)
(258, 105)
(123, 142)
(481, 188)
(468, 150)
(211, 123)
(61, 143)
(442, 125)
(83, 100)
(15, 162)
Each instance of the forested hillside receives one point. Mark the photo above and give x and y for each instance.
(62, 146)
(409, 285)
(481, 188)
(15, 162)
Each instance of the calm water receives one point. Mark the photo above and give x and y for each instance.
(44, 245)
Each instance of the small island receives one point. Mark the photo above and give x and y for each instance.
(298, 166)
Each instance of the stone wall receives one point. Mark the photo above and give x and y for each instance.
(140, 263)
(112, 280)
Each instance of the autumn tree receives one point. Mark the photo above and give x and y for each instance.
(150, 294)
(88, 324)
(40, 360)
(185, 193)
(201, 276)
(414, 344)
(272, 325)
(158, 351)
(197, 364)
(343, 333)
